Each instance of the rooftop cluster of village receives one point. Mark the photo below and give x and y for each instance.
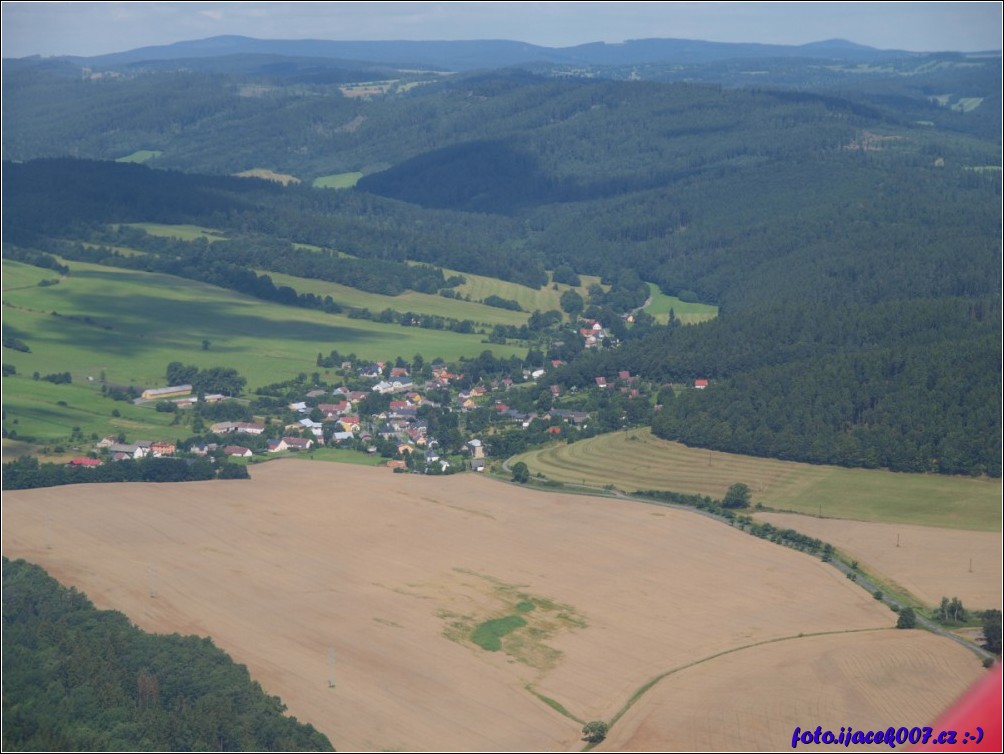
(426, 417)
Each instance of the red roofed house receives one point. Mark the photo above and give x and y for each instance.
(159, 449)
(601, 382)
(88, 462)
(700, 384)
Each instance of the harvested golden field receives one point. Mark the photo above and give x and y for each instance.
(395, 572)
(930, 563)
(753, 700)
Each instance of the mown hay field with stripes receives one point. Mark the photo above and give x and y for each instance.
(637, 460)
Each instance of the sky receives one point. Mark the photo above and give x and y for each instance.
(89, 28)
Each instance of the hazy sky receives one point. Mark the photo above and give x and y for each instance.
(87, 28)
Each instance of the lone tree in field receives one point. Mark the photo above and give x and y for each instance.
(738, 496)
(520, 472)
(907, 618)
(594, 731)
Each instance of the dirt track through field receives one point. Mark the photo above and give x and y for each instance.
(867, 681)
(392, 572)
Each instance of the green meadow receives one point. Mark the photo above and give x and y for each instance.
(125, 326)
(410, 301)
(687, 313)
(636, 460)
(479, 287)
(337, 181)
(181, 232)
(49, 413)
(17, 275)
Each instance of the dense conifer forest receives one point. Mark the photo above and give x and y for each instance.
(847, 228)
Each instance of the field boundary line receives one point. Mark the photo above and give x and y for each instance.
(646, 687)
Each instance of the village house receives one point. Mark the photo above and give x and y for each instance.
(349, 423)
(334, 409)
(160, 449)
(126, 451)
(237, 451)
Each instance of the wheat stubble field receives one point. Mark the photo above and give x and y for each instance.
(928, 562)
(394, 572)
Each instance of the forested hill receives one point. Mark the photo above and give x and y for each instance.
(854, 251)
(80, 679)
(469, 55)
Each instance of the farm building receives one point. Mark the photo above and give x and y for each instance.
(173, 391)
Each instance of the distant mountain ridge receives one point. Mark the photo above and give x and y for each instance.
(465, 55)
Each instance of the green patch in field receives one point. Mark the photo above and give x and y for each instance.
(342, 455)
(488, 635)
(337, 180)
(520, 626)
(141, 155)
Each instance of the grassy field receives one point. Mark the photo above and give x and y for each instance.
(340, 455)
(17, 275)
(128, 325)
(337, 181)
(141, 155)
(687, 313)
(479, 287)
(181, 232)
(636, 460)
(410, 301)
(49, 413)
